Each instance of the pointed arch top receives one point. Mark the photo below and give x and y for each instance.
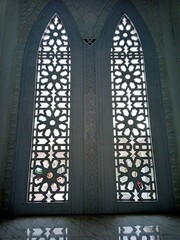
(133, 149)
(36, 47)
(49, 160)
(158, 128)
(50, 10)
(34, 40)
(104, 44)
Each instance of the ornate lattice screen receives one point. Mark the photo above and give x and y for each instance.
(134, 163)
(49, 163)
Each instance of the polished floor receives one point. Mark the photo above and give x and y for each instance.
(102, 227)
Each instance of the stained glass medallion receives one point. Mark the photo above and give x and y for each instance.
(49, 160)
(133, 151)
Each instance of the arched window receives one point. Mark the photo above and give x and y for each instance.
(48, 156)
(49, 163)
(90, 119)
(133, 150)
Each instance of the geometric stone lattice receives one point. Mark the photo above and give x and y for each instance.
(134, 163)
(49, 163)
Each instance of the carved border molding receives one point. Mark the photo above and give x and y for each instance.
(90, 115)
(149, 12)
(29, 14)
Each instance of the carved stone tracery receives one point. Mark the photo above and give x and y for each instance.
(134, 163)
(49, 166)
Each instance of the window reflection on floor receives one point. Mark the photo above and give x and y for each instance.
(139, 232)
(47, 233)
(124, 233)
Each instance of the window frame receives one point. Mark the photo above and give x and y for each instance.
(157, 118)
(18, 202)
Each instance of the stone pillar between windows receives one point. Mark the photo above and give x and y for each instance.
(90, 113)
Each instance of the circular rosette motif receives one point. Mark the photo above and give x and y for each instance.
(52, 123)
(50, 176)
(54, 77)
(128, 77)
(130, 122)
(55, 33)
(134, 175)
(126, 34)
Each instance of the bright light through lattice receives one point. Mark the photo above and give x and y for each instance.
(49, 163)
(134, 163)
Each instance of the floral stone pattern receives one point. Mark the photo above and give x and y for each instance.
(49, 164)
(134, 163)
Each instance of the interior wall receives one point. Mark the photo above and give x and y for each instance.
(9, 15)
(2, 133)
(16, 19)
(170, 20)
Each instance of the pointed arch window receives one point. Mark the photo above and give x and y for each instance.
(49, 160)
(133, 150)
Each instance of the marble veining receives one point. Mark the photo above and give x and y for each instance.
(87, 227)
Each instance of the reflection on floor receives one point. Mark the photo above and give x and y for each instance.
(102, 227)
